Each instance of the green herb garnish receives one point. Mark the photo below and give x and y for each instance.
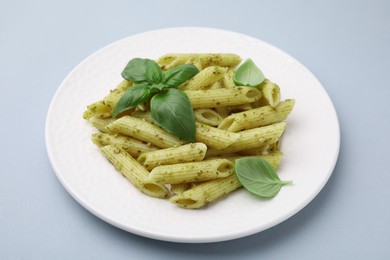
(170, 108)
(258, 177)
(248, 74)
(172, 111)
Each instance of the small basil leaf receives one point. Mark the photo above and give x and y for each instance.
(258, 177)
(248, 74)
(154, 73)
(135, 70)
(131, 98)
(172, 110)
(180, 74)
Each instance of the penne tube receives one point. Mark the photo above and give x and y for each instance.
(272, 158)
(257, 117)
(207, 116)
(211, 136)
(171, 60)
(252, 138)
(207, 192)
(220, 59)
(97, 109)
(185, 153)
(144, 131)
(271, 93)
(196, 62)
(222, 97)
(205, 78)
(228, 79)
(104, 107)
(100, 123)
(214, 137)
(192, 171)
(133, 171)
(133, 146)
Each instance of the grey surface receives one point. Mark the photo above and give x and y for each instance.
(344, 43)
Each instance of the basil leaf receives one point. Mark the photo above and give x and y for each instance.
(258, 176)
(180, 74)
(154, 73)
(248, 74)
(135, 70)
(172, 110)
(131, 98)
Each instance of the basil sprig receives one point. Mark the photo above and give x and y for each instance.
(170, 108)
(248, 74)
(258, 177)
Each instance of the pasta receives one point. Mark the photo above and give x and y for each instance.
(133, 171)
(211, 136)
(144, 131)
(222, 97)
(104, 107)
(100, 123)
(192, 171)
(185, 153)
(169, 61)
(214, 137)
(271, 93)
(133, 146)
(257, 117)
(231, 122)
(207, 116)
(207, 192)
(252, 138)
(205, 78)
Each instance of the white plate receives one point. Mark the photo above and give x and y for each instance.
(310, 143)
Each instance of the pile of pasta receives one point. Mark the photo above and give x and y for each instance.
(231, 122)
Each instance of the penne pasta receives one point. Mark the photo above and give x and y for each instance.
(133, 146)
(272, 158)
(252, 138)
(171, 60)
(214, 137)
(185, 153)
(205, 78)
(192, 171)
(271, 93)
(207, 116)
(134, 172)
(222, 97)
(257, 117)
(231, 122)
(207, 192)
(100, 123)
(104, 107)
(144, 131)
(211, 136)
(228, 79)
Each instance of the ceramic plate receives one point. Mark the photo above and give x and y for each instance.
(310, 142)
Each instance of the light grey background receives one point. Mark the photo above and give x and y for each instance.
(346, 44)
